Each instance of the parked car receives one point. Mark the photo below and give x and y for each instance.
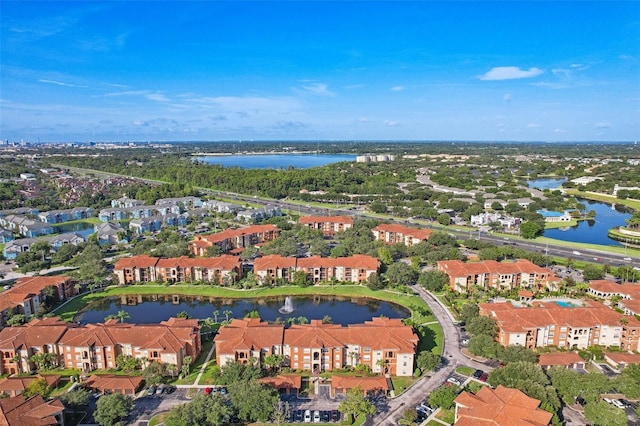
(618, 403)
(454, 381)
(207, 391)
(580, 400)
(307, 416)
(316, 416)
(299, 415)
(484, 377)
(477, 374)
(335, 415)
(151, 390)
(325, 416)
(160, 389)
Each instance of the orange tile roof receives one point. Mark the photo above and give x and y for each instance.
(247, 334)
(140, 261)
(421, 234)
(36, 333)
(234, 233)
(559, 358)
(18, 384)
(358, 261)
(28, 287)
(31, 411)
(502, 406)
(512, 319)
(623, 357)
(365, 383)
(114, 383)
(305, 220)
(611, 287)
(283, 381)
(225, 262)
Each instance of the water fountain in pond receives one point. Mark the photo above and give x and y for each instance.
(288, 306)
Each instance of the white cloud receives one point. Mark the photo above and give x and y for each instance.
(158, 97)
(59, 83)
(510, 73)
(507, 97)
(397, 88)
(533, 125)
(391, 123)
(603, 125)
(319, 89)
(559, 131)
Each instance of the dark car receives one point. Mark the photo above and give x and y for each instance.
(580, 400)
(151, 391)
(335, 415)
(298, 416)
(325, 416)
(170, 389)
(477, 374)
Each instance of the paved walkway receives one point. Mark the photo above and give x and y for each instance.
(204, 365)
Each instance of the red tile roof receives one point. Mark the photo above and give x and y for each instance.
(34, 411)
(13, 385)
(113, 383)
(247, 334)
(36, 333)
(501, 407)
(28, 287)
(140, 261)
(234, 233)
(564, 359)
(623, 357)
(421, 234)
(358, 261)
(613, 288)
(305, 220)
(367, 384)
(283, 381)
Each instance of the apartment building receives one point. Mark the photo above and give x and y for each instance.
(28, 293)
(142, 268)
(329, 225)
(499, 406)
(398, 234)
(357, 268)
(17, 411)
(508, 275)
(551, 324)
(385, 345)
(629, 294)
(97, 346)
(234, 240)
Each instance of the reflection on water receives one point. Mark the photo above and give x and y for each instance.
(156, 308)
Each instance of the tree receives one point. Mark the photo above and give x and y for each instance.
(409, 417)
(111, 408)
(42, 360)
(235, 372)
(64, 253)
(203, 410)
(91, 266)
(183, 314)
(427, 360)
(280, 413)
(482, 325)
(602, 413)
(215, 315)
(126, 362)
(253, 401)
(375, 282)
(433, 280)
(123, 315)
(273, 361)
(186, 365)
(77, 399)
(530, 230)
(226, 314)
(592, 272)
(485, 346)
(154, 373)
(517, 353)
(355, 405)
(37, 387)
(468, 312)
(400, 273)
(214, 251)
(443, 396)
(301, 279)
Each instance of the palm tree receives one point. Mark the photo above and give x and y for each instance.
(382, 363)
(215, 315)
(226, 314)
(171, 369)
(122, 315)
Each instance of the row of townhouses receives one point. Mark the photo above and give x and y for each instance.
(220, 270)
(25, 226)
(28, 293)
(21, 245)
(570, 327)
(67, 215)
(466, 276)
(234, 240)
(385, 345)
(227, 268)
(97, 346)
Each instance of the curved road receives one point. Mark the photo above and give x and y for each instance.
(452, 358)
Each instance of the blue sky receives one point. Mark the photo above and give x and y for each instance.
(204, 70)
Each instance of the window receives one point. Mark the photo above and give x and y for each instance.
(306, 350)
(563, 328)
(366, 349)
(563, 336)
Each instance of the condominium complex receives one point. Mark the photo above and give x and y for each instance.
(553, 324)
(385, 345)
(357, 268)
(234, 240)
(97, 346)
(220, 270)
(465, 276)
(398, 234)
(329, 225)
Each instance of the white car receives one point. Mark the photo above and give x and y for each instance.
(618, 403)
(307, 416)
(454, 381)
(316, 416)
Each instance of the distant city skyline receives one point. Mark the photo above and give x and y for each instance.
(276, 70)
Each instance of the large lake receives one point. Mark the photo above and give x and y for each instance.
(276, 161)
(587, 231)
(156, 308)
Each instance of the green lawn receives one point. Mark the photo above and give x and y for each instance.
(195, 367)
(158, 419)
(446, 416)
(465, 371)
(554, 225)
(401, 383)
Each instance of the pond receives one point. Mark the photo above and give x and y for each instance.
(155, 308)
(274, 161)
(546, 183)
(83, 228)
(594, 231)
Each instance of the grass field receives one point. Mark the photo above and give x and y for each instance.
(634, 204)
